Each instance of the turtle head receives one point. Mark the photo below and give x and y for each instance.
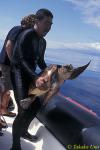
(77, 71)
(69, 72)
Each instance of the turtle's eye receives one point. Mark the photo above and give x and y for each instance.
(69, 67)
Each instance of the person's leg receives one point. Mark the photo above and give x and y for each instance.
(3, 123)
(17, 129)
(0, 128)
(16, 133)
(5, 86)
(29, 116)
(5, 97)
(19, 94)
(22, 122)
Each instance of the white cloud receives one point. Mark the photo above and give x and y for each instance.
(74, 45)
(69, 45)
(90, 10)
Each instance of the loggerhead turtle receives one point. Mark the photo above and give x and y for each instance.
(56, 75)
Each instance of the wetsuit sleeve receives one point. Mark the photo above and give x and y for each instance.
(41, 61)
(31, 73)
(22, 61)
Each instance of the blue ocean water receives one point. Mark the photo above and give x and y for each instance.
(86, 88)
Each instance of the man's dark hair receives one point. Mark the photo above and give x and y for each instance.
(41, 13)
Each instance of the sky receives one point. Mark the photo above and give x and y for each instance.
(76, 23)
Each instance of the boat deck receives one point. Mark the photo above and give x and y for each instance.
(46, 140)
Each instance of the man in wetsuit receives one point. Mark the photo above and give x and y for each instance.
(5, 56)
(28, 53)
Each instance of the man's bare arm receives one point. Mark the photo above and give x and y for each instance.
(9, 48)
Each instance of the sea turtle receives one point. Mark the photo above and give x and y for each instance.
(56, 75)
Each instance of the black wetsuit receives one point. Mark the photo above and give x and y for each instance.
(27, 54)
